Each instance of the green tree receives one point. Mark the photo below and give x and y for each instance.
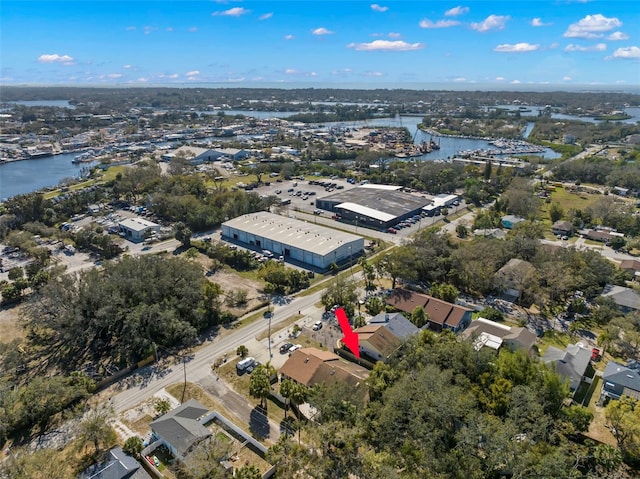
(399, 264)
(260, 383)
(444, 291)
(248, 472)
(340, 291)
(623, 416)
(462, 231)
(419, 317)
(183, 234)
(133, 446)
(242, 351)
(162, 406)
(555, 212)
(95, 429)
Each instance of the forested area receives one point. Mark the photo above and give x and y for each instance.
(624, 172)
(440, 409)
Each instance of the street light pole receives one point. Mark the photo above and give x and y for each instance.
(270, 316)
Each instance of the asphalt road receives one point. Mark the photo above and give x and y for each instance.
(149, 380)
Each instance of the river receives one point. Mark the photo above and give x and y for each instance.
(25, 176)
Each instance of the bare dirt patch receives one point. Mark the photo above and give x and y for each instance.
(231, 284)
(11, 324)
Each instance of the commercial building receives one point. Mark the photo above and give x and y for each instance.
(307, 244)
(136, 229)
(374, 206)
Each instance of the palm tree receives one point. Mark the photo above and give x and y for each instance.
(95, 428)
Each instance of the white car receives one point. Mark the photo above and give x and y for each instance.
(295, 347)
(317, 325)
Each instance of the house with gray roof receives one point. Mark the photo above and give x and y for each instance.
(619, 380)
(486, 333)
(180, 429)
(118, 465)
(574, 364)
(400, 326)
(626, 298)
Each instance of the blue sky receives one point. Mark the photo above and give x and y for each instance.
(320, 43)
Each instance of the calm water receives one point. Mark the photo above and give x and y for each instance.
(58, 103)
(19, 177)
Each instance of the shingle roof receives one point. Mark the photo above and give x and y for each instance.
(625, 297)
(522, 336)
(118, 466)
(570, 363)
(396, 323)
(439, 311)
(622, 375)
(310, 366)
(379, 337)
(180, 428)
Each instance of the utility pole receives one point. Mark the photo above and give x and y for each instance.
(184, 366)
(270, 316)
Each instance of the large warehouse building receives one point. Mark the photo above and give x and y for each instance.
(374, 206)
(308, 244)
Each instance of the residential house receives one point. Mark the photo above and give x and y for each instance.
(619, 380)
(631, 266)
(512, 277)
(400, 326)
(377, 342)
(574, 364)
(510, 221)
(180, 429)
(486, 333)
(311, 366)
(441, 315)
(118, 465)
(603, 236)
(626, 299)
(562, 228)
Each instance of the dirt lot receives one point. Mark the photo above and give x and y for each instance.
(230, 281)
(10, 324)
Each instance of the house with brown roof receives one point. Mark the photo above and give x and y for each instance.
(510, 280)
(631, 266)
(442, 315)
(377, 342)
(311, 366)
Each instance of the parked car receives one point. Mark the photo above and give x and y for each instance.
(295, 347)
(595, 354)
(285, 348)
(244, 364)
(317, 325)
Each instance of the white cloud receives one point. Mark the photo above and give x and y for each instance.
(492, 22)
(386, 45)
(232, 12)
(148, 30)
(515, 82)
(426, 23)
(114, 75)
(378, 8)
(373, 74)
(455, 11)
(516, 47)
(127, 67)
(615, 36)
(537, 22)
(459, 79)
(394, 35)
(592, 26)
(193, 73)
(627, 52)
(499, 78)
(566, 78)
(321, 31)
(266, 16)
(193, 29)
(291, 71)
(55, 58)
(600, 47)
(142, 80)
(554, 45)
(289, 37)
(294, 72)
(174, 76)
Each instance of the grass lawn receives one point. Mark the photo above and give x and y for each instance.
(553, 338)
(598, 429)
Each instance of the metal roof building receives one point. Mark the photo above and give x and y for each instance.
(374, 206)
(134, 229)
(309, 244)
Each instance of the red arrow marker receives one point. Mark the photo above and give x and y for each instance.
(350, 338)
